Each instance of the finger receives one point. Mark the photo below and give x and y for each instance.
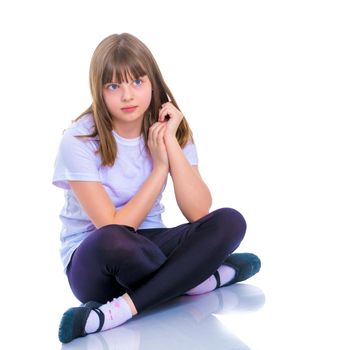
(155, 131)
(162, 129)
(160, 134)
(152, 131)
(157, 127)
(154, 127)
(162, 113)
(163, 119)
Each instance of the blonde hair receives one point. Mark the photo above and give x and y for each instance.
(117, 56)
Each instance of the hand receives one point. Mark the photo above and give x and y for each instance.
(157, 146)
(175, 118)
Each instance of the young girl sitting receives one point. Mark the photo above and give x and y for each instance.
(113, 163)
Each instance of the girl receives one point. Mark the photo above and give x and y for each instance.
(113, 163)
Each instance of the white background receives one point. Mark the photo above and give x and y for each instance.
(265, 88)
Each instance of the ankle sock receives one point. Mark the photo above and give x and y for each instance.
(116, 313)
(226, 273)
(207, 286)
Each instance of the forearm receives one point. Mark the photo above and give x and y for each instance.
(135, 211)
(192, 194)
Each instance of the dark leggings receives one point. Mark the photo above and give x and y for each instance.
(153, 265)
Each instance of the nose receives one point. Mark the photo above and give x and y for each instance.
(126, 93)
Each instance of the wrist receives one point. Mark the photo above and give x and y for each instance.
(170, 138)
(161, 168)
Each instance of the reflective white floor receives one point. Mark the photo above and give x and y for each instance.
(304, 309)
(187, 322)
(302, 304)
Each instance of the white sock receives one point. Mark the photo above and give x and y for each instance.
(226, 274)
(116, 313)
(207, 286)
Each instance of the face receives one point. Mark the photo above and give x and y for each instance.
(134, 92)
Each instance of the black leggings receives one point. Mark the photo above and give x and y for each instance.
(153, 265)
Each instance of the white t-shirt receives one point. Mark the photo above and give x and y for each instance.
(76, 160)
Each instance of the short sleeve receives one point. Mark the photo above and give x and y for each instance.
(75, 160)
(190, 153)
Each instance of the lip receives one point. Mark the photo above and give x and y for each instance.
(129, 108)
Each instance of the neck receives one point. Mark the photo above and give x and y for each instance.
(127, 131)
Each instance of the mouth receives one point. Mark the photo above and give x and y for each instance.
(129, 108)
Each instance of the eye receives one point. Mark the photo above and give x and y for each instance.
(138, 82)
(112, 87)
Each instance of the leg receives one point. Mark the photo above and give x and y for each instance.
(185, 256)
(110, 261)
(195, 251)
(105, 265)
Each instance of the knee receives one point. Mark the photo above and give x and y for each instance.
(114, 241)
(232, 223)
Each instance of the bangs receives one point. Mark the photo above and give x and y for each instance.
(118, 69)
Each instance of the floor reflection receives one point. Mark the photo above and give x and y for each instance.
(186, 322)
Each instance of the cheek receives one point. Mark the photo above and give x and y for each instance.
(108, 101)
(147, 98)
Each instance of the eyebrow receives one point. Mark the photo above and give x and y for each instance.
(114, 82)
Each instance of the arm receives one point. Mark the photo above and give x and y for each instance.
(100, 209)
(192, 194)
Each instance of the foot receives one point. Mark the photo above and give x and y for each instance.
(93, 317)
(246, 265)
(73, 323)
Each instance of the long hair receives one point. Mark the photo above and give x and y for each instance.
(117, 56)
